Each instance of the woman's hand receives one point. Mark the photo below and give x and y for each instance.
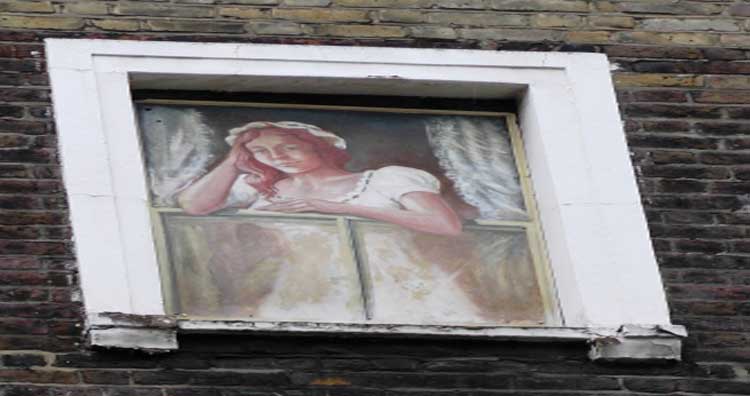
(423, 211)
(306, 205)
(209, 193)
(239, 156)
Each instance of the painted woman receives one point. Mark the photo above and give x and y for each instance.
(292, 167)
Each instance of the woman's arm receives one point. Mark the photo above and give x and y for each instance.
(423, 211)
(209, 193)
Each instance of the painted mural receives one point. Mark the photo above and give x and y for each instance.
(340, 215)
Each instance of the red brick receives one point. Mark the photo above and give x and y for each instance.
(731, 187)
(740, 9)
(39, 376)
(20, 65)
(27, 155)
(660, 96)
(724, 158)
(106, 377)
(721, 97)
(50, 344)
(35, 248)
(710, 308)
(682, 186)
(24, 126)
(637, 51)
(672, 111)
(723, 128)
(665, 126)
(22, 326)
(23, 360)
(11, 111)
(65, 328)
(23, 95)
(23, 294)
(672, 157)
(23, 79)
(737, 144)
(36, 217)
(700, 246)
(15, 186)
(20, 202)
(19, 232)
(688, 217)
(17, 263)
(20, 51)
(739, 113)
(674, 142)
(14, 141)
(689, 172)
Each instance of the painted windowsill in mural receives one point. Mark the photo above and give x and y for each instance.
(322, 214)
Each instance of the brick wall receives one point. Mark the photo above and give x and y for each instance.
(683, 80)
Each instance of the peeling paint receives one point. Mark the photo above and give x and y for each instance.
(131, 320)
(500, 332)
(642, 349)
(158, 333)
(639, 343)
(146, 340)
(148, 333)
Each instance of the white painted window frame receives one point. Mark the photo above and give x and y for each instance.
(604, 269)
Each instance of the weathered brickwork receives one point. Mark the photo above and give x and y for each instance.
(683, 80)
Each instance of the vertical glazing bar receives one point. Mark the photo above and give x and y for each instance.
(365, 282)
(168, 286)
(534, 234)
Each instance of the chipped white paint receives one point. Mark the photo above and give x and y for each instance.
(634, 343)
(152, 333)
(522, 333)
(116, 319)
(627, 343)
(638, 349)
(149, 340)
(638, 343)
(158, 334)
(600, 252)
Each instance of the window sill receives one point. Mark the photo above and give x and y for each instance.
(158, 334)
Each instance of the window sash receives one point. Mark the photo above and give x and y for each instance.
(346, 230)
(531, 226)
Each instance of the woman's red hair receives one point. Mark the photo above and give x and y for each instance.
(269, 176)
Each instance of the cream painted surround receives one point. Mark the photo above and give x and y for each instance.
(604, 269)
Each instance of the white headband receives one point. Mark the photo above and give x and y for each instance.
(329, 137)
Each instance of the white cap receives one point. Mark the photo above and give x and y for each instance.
(330, 137)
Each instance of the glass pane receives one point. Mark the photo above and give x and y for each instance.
(483, 277)
(262, 268)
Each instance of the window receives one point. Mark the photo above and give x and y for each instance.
(601, 263)
(422, 217)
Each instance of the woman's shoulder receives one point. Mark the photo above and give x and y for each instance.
(400, 171)
(402, 179)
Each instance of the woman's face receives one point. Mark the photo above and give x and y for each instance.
(280, 149)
